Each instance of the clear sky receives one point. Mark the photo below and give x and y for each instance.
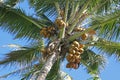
(111, 71)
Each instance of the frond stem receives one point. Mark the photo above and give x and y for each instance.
(73, 12)
(79, 15)
(71, 38)
(57, 8)
(66, 11)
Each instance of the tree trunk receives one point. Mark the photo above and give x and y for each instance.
(47, 66)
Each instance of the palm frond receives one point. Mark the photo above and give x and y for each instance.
(12, 3)
(80, 13)
(42, 6)
(24, 55)
(108, 47)
(48, 5)
(93, 62)
(110, 29)
(46, 19)
(18, 71)
(16, 22)
(33, 72)
(25, 73)
(100, 6)
(103, 25)
(19, 56)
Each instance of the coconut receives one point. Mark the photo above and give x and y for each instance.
(84, 36)
(76, 43)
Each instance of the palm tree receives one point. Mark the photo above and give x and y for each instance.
(60, 29)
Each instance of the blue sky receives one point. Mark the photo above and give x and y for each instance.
(111, 71)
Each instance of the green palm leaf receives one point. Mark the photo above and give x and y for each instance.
(108, 47)
(42, 6)
(16, 22)
(25, 73)
(12, 3)
(93, 62)
(18, 71)
(110, 29)
(23, 56)
(103, 25)
(98, 6)
(32, 73)
(105, 46)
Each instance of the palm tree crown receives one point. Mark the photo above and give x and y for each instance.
(59, 30)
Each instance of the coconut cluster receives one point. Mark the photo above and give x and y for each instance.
(78, 29)
(60, 23)
(47, 32)
(85, 36)
(73, 58)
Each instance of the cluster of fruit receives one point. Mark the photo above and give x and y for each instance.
(47, 32)
(73, 57)
(85, 35)
(78, 29)
(60, 23)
